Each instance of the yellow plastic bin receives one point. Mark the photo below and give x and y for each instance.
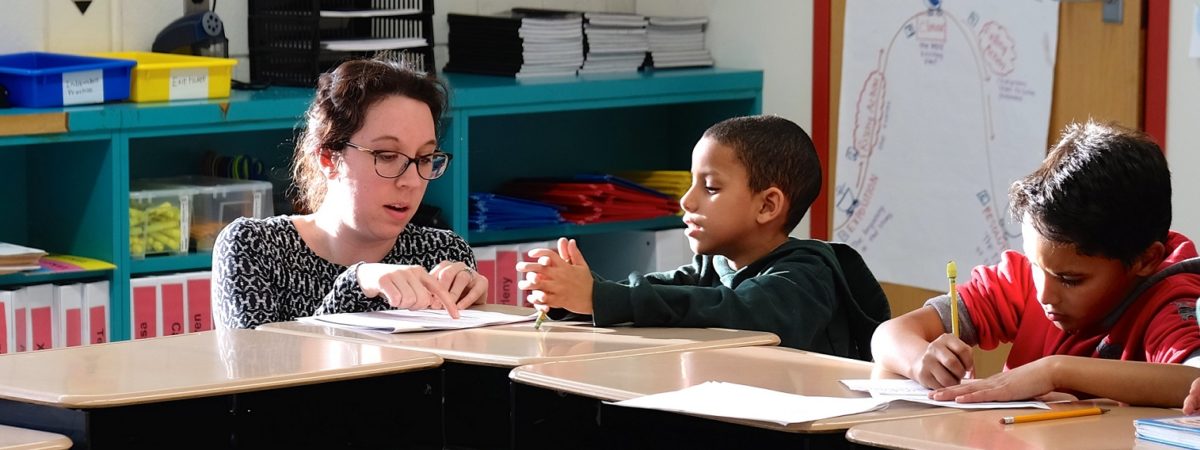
(162, 76)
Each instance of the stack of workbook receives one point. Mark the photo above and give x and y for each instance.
(518, 43)
(491, 212)
(595, 198)
(678, 42)
(616, 43)
(1181, 431)
(17, 258)
(671, 182)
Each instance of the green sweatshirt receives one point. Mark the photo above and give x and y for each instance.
(814, 295)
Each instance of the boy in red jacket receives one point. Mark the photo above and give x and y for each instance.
(1098, 304)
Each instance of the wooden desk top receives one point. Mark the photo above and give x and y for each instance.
(192, 365)
(519, 344)
(13, 438)
(775, 368)
(982, 429)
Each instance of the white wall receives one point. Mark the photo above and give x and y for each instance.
(21, 26)
(1183, 114)
(772, 35)
(109, 25)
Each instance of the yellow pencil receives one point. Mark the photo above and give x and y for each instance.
(537, 324)
(1093, 411)
(952, 275)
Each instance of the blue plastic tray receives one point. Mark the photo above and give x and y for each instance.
(35, 79)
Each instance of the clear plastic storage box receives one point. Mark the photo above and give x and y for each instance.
(159, 218)
(218, 201)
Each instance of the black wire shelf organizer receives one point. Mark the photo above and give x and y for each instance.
(293, 41)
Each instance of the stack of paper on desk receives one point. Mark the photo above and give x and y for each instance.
(402, 321)
(737, 401)
(912, 391)
(715, 398)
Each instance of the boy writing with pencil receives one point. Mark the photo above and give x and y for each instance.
(1099, 303)
(753, 178)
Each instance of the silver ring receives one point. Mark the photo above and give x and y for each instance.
(467, 270)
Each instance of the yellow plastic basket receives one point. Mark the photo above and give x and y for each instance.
(162, 76)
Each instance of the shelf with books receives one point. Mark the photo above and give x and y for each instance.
(69, 185)
(71, 190)
(501, 129)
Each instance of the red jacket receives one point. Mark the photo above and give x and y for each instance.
(1160, 326)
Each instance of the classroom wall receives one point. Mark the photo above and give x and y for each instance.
(1183, 113)
(109, 25)
(772, 35)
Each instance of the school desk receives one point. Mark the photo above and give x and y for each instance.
(775, 368)
(481, 407)
(982, 429)
(13, 438)
(226, 388)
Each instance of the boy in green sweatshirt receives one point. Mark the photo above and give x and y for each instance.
(753, 178)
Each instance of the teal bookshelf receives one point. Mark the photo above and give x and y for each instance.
(67, 190)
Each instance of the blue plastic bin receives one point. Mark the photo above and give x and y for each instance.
(35, 79)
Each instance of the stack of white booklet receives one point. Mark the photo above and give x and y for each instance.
(403, 321)
(737, 401)
(17, 258)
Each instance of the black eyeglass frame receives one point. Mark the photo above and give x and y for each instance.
(407, 160)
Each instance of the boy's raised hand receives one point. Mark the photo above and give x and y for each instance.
(559, 279)
(946, 361)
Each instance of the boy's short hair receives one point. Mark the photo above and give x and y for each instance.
(1103, 188)
(775, 152)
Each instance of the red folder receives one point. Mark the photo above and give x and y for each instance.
(5, 305)
(145, 311)
(96, 303)
(21, 329)
(173, 319)
(506, 275)
(97, 325)
(41, 323)
(485, 264)
(74, 327)
(199, 301)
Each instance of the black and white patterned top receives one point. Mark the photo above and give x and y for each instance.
(264, 272)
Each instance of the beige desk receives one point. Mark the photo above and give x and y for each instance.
(983, 430)
(13, 438)
(478, 396)
(111, 394)
(775, 368)
(519, 344)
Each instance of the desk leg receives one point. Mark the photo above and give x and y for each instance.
(476, 406)
(395, 411)
(632, 428)
(543, 418)
(194, 423)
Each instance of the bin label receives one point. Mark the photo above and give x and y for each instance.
(189, 83)
(83, 87)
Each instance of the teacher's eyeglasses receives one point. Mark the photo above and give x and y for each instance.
(389, 164)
